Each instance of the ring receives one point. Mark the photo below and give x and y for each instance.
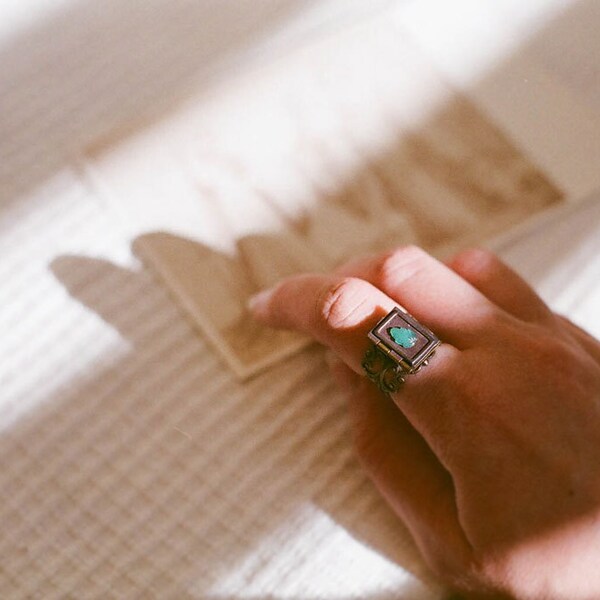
(402, 346)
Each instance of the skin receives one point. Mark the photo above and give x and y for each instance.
(491, 454)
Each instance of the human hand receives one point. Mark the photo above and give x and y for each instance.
(491, 454)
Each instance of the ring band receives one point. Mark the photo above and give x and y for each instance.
(401, 347)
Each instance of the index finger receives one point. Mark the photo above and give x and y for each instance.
(337, 311)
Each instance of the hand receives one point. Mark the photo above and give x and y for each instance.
(491, 454)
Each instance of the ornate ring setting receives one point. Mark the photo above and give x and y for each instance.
(402, 346)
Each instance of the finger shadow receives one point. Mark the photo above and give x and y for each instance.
(167, 442)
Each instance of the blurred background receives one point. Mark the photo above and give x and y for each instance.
(159, 162)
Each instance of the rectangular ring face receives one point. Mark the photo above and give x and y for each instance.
(406, 340)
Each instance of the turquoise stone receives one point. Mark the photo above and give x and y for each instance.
(403, 337)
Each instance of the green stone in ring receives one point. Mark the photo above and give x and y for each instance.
(403, 337)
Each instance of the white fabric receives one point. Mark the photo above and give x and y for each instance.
(132, 464)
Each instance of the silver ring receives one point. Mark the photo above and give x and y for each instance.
(401, 347)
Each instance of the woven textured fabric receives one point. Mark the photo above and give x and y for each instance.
(132, 463)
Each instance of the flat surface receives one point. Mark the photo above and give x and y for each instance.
(132, 463)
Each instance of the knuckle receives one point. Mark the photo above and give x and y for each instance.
(339, 302)
(477, 263)
(562, 365)
(400, 264)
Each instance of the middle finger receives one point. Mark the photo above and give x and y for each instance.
(437, 296)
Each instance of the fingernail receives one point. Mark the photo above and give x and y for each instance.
(258, 304)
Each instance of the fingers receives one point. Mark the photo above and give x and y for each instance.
(337, 311)
(401, 464)
(484, 271)
(437, 296)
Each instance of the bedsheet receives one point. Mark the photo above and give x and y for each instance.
(133, 464)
